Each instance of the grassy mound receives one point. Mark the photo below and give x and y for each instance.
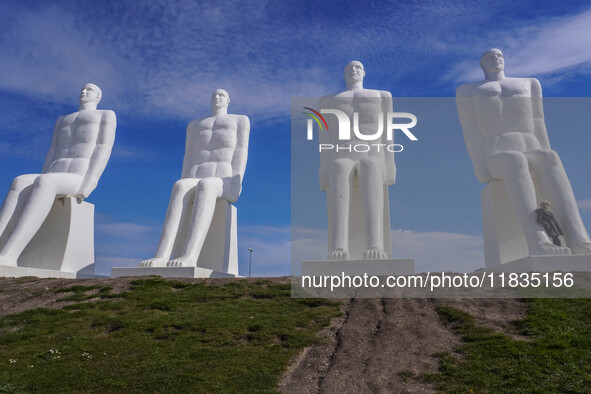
(554, 355)
(161, 336)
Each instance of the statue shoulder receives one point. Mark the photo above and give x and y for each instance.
(108, 116)
(385, 94)
(467, 89)
(536, 87)
(196, 122)
(242, 121)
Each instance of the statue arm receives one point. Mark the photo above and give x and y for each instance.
(472, 136)
(387, 106)
(51, 153)
(232, 192)
(100, 155)
(538, 114)
(187, 157)
(324, 157)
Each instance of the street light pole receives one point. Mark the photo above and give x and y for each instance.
(250, 261)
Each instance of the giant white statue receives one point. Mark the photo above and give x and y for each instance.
(505, 133)
(213, 167)
(79, 152)
(357, 182)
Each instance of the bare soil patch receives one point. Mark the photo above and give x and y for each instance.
(379, 343)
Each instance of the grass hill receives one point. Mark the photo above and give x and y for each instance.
(157, 335)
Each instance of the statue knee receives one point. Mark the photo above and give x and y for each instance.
(212, 185)
(43, 182)
(341, 168)
(22, 181)
(369, 165)
(508, 164)
(181, 186)
(551, 157)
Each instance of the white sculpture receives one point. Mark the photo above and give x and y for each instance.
(80, 149)
(505, 133)
(357, 182)
(213, 167)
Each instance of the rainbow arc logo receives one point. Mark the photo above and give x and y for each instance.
(318, 115)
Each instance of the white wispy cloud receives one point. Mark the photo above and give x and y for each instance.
(551, 46)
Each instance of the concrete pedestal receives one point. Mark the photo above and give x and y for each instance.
(63, 247)
(566, 263)
(170, 272)
(219, 255)
(358, 267)
(503, 237)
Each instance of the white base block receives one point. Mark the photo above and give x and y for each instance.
(63, 247)
(171, 272)
(566, 263)
(358, 267)
(220, 248)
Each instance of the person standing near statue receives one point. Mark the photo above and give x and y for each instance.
(79, 152)
(546, 219)
(505, 133)
(216, 150)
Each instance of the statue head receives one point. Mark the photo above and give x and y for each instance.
(354, 71)
(90, 94)
(220, 98)
(492, 61)
(545, 205)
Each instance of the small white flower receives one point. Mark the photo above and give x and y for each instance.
(12, 361)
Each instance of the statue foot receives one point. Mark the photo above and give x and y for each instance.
(185, 261)
(155, 262)
(545, 248)
(582, 248)
(374, 254)
(339, 254)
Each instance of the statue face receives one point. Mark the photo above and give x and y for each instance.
(220, 98)
(90, 94)
(354, 72)
(492, 61)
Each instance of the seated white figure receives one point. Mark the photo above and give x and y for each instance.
(366, 173)
(504, 129)
(80, 149)
(216, 151)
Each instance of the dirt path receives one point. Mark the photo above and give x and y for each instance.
(377, 339)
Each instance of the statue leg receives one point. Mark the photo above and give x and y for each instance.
(17, 193)
(513, 168)
(557, 189)
(45, 188)
(207, 192)
(181, 198)
(339, 194)
(371, 186)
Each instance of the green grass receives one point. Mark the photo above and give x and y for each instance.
(161, 336)
(555, 358)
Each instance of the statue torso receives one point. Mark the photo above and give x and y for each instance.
(211, 146)
(504, 114)
(75, 142)
(368, 105)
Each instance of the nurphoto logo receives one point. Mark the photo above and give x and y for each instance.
(344, 130)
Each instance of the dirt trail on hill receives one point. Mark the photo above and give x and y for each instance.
(377, 339)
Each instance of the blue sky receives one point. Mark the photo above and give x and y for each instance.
(157, 63)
